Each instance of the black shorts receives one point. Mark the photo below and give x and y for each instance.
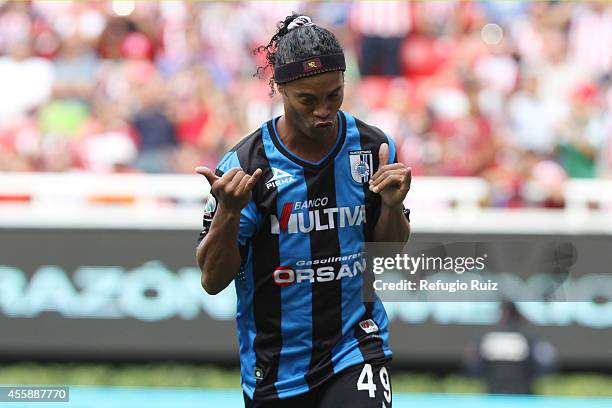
(367, 385)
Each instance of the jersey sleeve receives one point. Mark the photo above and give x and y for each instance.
(249, 216)
(377, 202)
(393, 159)
(392, 150)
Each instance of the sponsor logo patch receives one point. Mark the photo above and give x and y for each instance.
(285, 275)
(368, 326)
(312, 65)
(306, 216)
(209, 208)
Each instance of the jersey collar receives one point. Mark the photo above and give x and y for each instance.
(330, 155)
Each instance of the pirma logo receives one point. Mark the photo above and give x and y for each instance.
(368, 326)
(279, 177)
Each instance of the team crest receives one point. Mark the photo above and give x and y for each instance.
(361, 165)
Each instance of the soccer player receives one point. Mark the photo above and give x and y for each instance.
(293, 204)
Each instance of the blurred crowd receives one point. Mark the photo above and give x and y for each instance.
(518, 93)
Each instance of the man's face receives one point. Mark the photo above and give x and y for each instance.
(311, 103)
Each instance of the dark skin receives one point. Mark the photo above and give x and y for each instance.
(308, 129)
(310, 124)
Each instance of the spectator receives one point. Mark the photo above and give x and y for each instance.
(558, 76)
(531, 119)
(79, 79)
(508, 357)
(584, 134)
(155, 131)
(382, 27)
(75, 70)
(26, 81)
(592, 21)
(107, 145)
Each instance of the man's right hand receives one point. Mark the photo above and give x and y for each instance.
(233, 189)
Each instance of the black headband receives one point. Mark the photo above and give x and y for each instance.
(307, 67)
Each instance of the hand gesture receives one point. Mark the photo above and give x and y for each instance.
(233, 189)
(392, 181)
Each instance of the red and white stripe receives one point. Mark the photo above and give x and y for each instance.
(590, 38)
(381, 18)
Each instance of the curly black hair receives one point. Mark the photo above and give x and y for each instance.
(287, 46)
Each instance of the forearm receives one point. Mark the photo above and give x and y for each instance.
(218, 255)
(392, 225)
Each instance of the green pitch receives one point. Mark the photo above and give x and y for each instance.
(210, 377)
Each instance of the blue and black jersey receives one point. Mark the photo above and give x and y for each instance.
(301, 314)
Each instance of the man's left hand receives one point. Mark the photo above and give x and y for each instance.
(392, 181)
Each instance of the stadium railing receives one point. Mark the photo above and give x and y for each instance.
(170, 201)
